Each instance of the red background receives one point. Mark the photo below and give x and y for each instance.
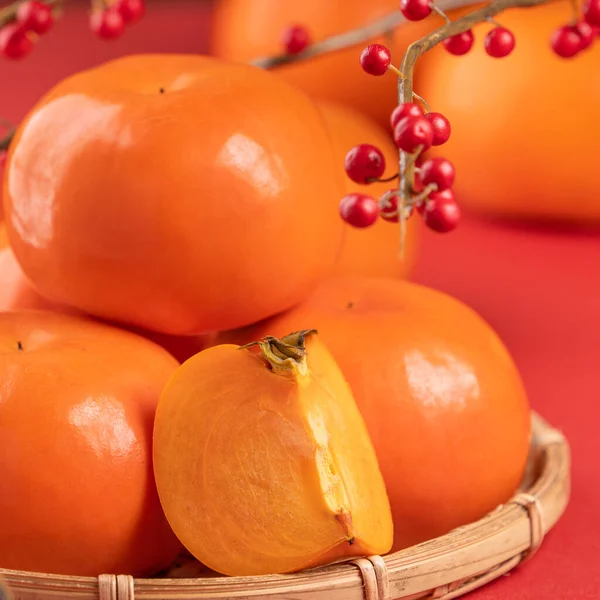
(539, 288)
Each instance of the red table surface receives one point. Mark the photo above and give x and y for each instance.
(539, 288)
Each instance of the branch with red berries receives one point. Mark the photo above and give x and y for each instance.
(24, 22)
(423, 184)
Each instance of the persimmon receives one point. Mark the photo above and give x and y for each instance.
(374, 250)
(520, 149)
(169, 191)
(442, 399)
(16, 292)
(77, 404)
(247, 29)
(263, 463)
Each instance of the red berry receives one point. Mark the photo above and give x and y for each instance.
(364, 162)
(296, 39)
(131, 10)
(587, 34)
(460, 43)
(440, 211)
(566, 41)
(14, 41)
(499, 42)
(375, 59)
(441, 128)
(412, 132)
(389, 212)
(3, 155)
(418, 182)
(359, 210)
(415, 10)
(408, 109)
(439, 171)
(591, 12)
(107, 24)
(35, 16)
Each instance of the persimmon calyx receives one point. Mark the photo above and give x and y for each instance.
(285, 356)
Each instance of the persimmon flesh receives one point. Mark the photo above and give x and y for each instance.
(263, 462)
(441, 396)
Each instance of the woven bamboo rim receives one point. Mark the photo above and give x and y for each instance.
(444, 568)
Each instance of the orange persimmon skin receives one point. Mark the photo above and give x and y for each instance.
(262, 473)
(165, 191)
(17, 293)
(441, 397)
(247, 29)
(521, 148)
(373, 251)
(77, 404)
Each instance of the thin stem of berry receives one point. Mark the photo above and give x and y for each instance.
(394, 70)
(387, 180)
(576, 12)
(422, 101)
(432, 187)
(439, 11)
(494, 22)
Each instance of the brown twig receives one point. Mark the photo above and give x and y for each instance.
(407, 67)
(355, 37)
(6, 140)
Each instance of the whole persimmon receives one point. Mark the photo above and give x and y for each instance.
(169, 192)
(372, 251)
(442, 399)
(263, 462)
(520, 148)
(244, 30)
(77, 405)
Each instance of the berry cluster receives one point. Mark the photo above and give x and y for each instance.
(499, 42)
(34, 18)
(18, 37)
(432, 194)
(572, 39)
(109, 21)
(414, 132)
